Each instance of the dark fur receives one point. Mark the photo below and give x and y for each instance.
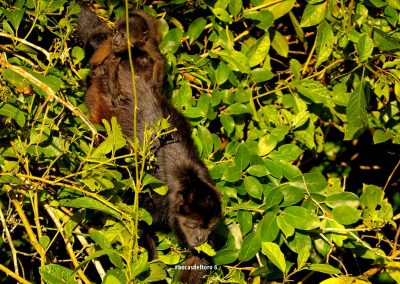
(191, 208)
(144, 39)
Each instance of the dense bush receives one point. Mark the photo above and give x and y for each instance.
(294, 108)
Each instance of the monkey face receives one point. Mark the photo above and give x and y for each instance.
(119, 41)
(195, 231)
(198, 212)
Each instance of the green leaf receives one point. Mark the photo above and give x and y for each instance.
(338, 234)
(251, 245)
(268, 143)
(222, 73)
(291, 195)
(303, 256)
(313, 14)
(274, 197)
(263, 18)
(78, 54)
(238, 108)
(51, 6)
(145, 215)
(260, 75)
(301, 218)
(242, 157)
(15, 17)
(287, 152)
(196, 28)
(53, 82)
(295, 67)
(225, 256)
(280, 8)
(356, 112)
(391, 15)
(237, 61)
(259, 50)
(90, 203)
(206, 139)
(346, 215)
(365, 46)
(258, 171)
(13, 113)
(171, 41)
(114, 276)
(384, 41)
(102, 241)
(114, 134)
(54, 273)
(342, 198)
(267, 228)
(227, 123)
(376, 209)
(253, 187)
(275, 255)
(313, 90)
(285, 227)
(44, 241)
(157, 273)
(222, 14)
(232, 174)
(311, 182)
(380, 136)
(245, 221)
(325, 42)
(298, 241)
(206, 248)
(324, 268)
(170, 259)
(280, 44)
(297, 27)
(235, 6)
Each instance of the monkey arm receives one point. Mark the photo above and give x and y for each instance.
(101, 53)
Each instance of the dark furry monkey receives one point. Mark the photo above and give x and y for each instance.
(191, 208)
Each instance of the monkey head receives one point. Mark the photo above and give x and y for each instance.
(138, 33)
(198, 211)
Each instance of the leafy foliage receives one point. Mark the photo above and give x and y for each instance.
(283, 96)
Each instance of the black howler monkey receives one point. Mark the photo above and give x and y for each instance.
(192, 207)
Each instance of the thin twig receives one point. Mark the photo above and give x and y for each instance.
(67, 242)
(13, 275)
(32, 237)
(10, 242)
(44, 51)
(391, 175)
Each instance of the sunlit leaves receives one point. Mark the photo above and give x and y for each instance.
(237, 61)
(325, 40)
(364, 48)
(313, 14)
(300, 218)
(196, 28)
(356, 113)
(171, 41)
(275, 255)
(259, 50)
(281, 8)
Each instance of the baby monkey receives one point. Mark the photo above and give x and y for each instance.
(143, 39)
